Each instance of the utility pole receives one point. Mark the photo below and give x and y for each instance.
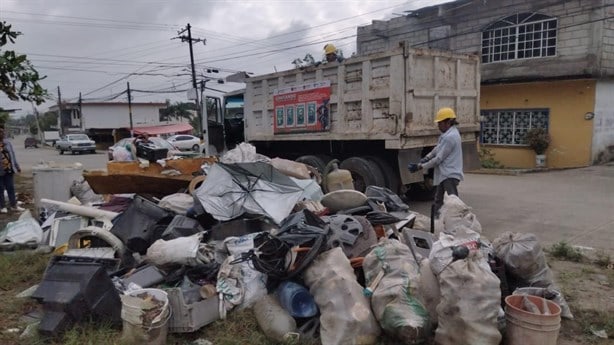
(130, 110)
(190, 40)
(82, 125)
(60, 112)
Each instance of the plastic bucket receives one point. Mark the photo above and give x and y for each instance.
(137, 331)
(525, 328)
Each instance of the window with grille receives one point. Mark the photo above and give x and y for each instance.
(509, 126)
(521, 36)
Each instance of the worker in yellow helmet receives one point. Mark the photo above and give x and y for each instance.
(332, 54)
(446, 158)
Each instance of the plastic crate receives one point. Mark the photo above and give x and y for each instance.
(188, 318)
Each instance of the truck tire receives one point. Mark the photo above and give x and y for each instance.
(61, 151)
(314, 161)
(391, 176)
(364, 173)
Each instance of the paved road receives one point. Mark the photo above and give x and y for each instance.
(575, 205)
(28, 158)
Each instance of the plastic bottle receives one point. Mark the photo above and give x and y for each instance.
(338, 179)
(274, 321)
(296, 299)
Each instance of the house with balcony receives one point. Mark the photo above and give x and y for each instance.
(545, 64)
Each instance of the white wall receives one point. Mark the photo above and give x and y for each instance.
(117, 115)
(603, 123)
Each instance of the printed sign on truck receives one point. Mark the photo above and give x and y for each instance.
(302, 108)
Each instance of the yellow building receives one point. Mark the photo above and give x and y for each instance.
(567, 106)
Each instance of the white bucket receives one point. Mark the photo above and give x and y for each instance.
(136, 328)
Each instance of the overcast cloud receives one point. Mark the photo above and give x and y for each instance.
(96, 46)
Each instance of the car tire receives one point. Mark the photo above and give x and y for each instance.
(61, 151)
(364, 173)
(93, 151)
(195, 148)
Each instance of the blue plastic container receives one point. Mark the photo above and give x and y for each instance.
(296, 299)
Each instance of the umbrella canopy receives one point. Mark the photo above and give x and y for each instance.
(231, 190)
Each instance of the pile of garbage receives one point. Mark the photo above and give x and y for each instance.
(343, 267)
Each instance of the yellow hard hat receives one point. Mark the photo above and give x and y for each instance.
(330, 49)
(444, 113)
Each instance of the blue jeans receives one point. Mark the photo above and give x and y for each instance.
(6, 182)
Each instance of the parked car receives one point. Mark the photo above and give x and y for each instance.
(30, 142)
(185, 142)
(157, 141)
(75, 143)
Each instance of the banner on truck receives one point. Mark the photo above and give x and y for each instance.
(302, 108)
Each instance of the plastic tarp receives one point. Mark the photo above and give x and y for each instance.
(24, 230)
(230, 190)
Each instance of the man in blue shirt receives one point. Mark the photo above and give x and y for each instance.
(446, 158)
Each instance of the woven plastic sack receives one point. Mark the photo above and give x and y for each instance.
(428, 291)
(524, 258)
(345, 313)
(395, 300)
(470, 303)
(455, 213)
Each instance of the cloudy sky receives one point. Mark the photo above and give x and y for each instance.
(96, 46)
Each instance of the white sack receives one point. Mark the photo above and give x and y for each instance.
(395, 301)
(428, 290)
(345, 313)
(455, 213)
(253, 282)
(470, 303)
(243, 153)
(180, 251)
(179, 203)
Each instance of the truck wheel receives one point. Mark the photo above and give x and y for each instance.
(314, 161)
(61, 151)
(391, 176)
(364, 173)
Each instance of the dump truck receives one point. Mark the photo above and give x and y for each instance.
(373, 113)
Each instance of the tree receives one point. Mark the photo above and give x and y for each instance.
(19, 80)
(177, 111)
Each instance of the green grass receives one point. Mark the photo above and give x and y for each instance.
(602, 259)
(563, 251)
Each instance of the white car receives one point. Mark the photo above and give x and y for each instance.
(185, 142)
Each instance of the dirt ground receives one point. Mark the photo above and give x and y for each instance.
(588, 287)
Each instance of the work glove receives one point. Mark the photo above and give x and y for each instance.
(413, 167)
(424, 160)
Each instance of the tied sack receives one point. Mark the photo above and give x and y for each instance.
(345, 313)
(470, 303)
(395, 302)
(525, 262)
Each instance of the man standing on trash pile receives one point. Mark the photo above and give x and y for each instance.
(446, 158)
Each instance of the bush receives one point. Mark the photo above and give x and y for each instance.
(564, 251)
(538, 139)
(487, 159)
